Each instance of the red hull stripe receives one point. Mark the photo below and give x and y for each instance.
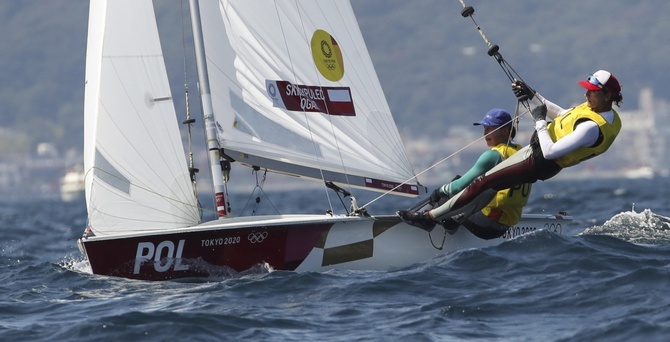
(205, 253)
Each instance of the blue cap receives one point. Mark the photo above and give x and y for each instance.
(495, 117)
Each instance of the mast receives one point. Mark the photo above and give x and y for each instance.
(213, 148)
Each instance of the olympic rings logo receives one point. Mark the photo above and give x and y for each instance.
(272, 90)
(257, 237)
(554, 227)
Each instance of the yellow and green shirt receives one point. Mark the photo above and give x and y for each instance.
(507, 205)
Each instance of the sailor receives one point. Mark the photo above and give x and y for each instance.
(574, 135)
(504, 210)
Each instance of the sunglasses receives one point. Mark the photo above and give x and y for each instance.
(593, 80)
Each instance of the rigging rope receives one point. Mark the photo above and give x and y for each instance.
(494, 50)
(259, 188)
(189, 121)
(512, 75)
(440, 161)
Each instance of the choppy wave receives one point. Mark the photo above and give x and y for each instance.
(605, 279)
(540, 286)
(643, 227)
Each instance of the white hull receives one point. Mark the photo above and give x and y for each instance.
(300, 243)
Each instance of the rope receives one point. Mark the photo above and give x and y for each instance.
(509, 71)
(516, 117)
(257, 199)
(493, 51)
(444, 238)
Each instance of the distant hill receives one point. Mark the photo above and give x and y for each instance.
(431, 61)
(435, 70)
(42, 56)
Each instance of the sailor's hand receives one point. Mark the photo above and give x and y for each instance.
(522, 91)
(435, 196)
(539, 112)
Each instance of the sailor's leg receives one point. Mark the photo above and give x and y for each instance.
(517, 169)
(520, 156)
(465, 208)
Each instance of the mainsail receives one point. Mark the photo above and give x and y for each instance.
(136, 174)
(294, 90)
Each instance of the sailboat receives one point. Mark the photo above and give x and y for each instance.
(72, 185)
(285, 86)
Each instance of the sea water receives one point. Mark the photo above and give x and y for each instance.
(605, 279)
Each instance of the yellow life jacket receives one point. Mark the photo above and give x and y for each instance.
(565, 124)
(506, 206)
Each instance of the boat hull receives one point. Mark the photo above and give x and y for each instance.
(295, 243)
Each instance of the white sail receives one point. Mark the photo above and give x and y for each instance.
(294, 90)
(135, 166)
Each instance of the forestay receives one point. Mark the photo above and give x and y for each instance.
(136, 175)
(294, 90)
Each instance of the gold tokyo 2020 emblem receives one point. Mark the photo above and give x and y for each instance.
(327, 55)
